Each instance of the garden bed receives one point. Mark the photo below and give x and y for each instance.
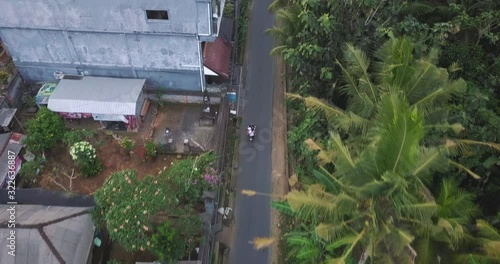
(59, 164)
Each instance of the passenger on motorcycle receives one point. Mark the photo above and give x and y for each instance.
(251, 130)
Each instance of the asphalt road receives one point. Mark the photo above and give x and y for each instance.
(253, 214)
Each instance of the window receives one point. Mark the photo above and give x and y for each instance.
(157, 14)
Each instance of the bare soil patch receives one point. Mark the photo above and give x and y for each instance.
(59, 165)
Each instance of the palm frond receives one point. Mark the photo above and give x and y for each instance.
(419, 211)
(282, 207)
(315, 202)
(426, 250)
(278, 50)
(487, 231)
(463, 143)
(277, 4)
(304, 247)
(344, 159)
(401, 131)
(327, 179)
(455, 203)
(324, 156)
(462, 167)
(347, 253)
(428, 160)
(331, 232)
(343, 120)
(357, 63)
(475, 258)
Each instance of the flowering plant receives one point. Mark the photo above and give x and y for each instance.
(84, 155)
(192, 176)
(148, 151)
(127, 144)
(211, 178)
(82, 151)
(126, 206)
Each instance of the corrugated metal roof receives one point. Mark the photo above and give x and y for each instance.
(6, 115)
(217, 56)
(97, 95)
(72, 238)
(13, 147)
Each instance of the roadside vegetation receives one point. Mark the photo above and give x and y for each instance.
(393, 131)
(245, 8)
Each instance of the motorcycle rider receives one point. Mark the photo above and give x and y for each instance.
(251, 130)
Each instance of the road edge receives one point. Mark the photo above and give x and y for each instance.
(280, 185)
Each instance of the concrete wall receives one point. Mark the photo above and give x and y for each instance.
(107, 38)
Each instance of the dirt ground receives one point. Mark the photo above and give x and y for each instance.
(279, 153)
(59, 166)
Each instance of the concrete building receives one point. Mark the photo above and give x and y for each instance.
(157, 40)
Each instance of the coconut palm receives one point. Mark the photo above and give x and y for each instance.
(424, 86)
(375, 205)
(375, 199)
(288, 27)
(486, 244)
(448, 232)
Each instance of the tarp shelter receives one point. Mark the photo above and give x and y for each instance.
(10, 145)
(103, 98)
(42, 97)
(6, 116)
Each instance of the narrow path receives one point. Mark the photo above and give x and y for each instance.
(253, 214)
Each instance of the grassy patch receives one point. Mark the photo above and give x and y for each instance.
(243, 29)
(286, 226)
(229, 9)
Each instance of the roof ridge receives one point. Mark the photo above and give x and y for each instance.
(40, 228)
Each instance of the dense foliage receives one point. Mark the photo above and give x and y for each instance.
(191, 177)
(76, 135)
(127, 206)
(447, 67)
(30, 170)
(44, 131)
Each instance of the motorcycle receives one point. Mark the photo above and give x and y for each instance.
(251, 130)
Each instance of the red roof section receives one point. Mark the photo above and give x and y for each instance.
(217, 56)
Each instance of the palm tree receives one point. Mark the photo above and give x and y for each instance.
(425, 87)
(375, 198)
(448, 232)
(376, 206)
(486, 244)
(288, 27)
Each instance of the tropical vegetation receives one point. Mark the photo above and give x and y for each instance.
(394, 130)
(44, 131)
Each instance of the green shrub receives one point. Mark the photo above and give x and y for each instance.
(470, 57)
(4, 77)
(91, 168)
(29, 171)
(77, 135)
(44, 131)
(127, 143)
(28, 101)
(151, 149)
(229, 9)
(168, 245)
(85, 156)
(192, 176)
